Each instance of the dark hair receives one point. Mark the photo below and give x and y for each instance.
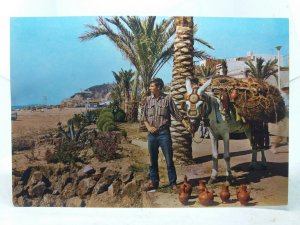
(158, 82)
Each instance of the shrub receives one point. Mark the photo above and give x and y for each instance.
(106, 114)
(21, 144)
(105, 146)
(120, 116)
(105, 122)
(106, 110)
(65, 152)
(109, 126)
(92, 115)
(101, 121)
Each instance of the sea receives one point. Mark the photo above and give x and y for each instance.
(18, 107)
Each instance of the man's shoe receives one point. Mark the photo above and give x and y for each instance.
(150, 187)
(174, 188)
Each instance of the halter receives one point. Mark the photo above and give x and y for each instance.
(193, 98)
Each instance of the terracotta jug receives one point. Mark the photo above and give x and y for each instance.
(243, 195)
(205, 197)
(201, 186)
(224, 194)
(188, 187)
(211, 194)
(183, 195)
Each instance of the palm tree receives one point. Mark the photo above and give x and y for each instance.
(183, 68)
(262, 70)
(145, 44)
(123, 79)
(208, 70)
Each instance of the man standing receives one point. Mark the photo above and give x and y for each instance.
(157, 117)
(283, 125)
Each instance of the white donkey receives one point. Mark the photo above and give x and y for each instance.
(201, 105)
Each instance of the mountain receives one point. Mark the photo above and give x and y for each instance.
(100, 92)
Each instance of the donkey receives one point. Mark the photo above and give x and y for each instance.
(201, 106)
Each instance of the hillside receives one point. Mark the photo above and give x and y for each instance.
(101, 91)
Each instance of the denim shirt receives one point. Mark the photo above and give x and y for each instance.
(158, 111)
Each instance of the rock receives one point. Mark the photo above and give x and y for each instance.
(69, 191)
(85, 186)
(115, 188)
(75, 202)
(130, 188)
(103, 167)
(139, 179)
(22, 201)
(68, 178)
(126, 177)
(35, 177)
(18, 191)
(88, 169)
(15, 180)
(102, 185)
(55, 192)
(48, 200)
(96, 176)
(26, 174)
(37, 190)
(109, 173)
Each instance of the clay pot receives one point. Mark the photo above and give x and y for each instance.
(205, 197)
(211, 194)
(183, 196)
(224, 194)
(243, 195)
(201, 186)
(188, 187)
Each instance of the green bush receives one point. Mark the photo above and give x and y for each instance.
(107, 114)
(120, 116)
(101, 121)
(65, 152)
(105, 110)
(109, 126)
(105, 122)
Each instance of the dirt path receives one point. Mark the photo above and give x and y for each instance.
(268, 187)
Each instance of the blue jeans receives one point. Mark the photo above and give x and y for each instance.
(162, 139)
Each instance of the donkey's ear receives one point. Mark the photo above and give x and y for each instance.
(204, 86)
(188, 86)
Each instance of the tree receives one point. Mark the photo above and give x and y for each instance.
(206, 70)
(145, 44)
(262, 70)
(183, 68)
(123, 79)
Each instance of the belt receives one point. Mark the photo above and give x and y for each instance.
(162, 127)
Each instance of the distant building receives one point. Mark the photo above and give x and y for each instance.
(237, 68)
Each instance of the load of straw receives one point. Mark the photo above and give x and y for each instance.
(255, 100)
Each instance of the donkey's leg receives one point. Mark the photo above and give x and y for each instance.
(215, 153)
(253, 162)
(263, 159)
(227, 158)
(265, 144)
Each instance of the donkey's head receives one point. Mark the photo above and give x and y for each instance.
(194, 100)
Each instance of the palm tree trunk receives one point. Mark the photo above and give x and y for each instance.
(183, 68)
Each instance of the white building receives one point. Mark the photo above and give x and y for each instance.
(236, 66)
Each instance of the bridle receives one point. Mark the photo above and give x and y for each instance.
(194, 112)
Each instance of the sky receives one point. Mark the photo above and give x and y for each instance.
(47, 58)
